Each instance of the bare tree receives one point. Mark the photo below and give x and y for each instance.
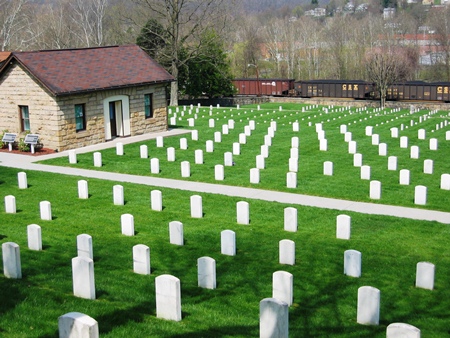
(440, 21)
(89, 16)
(184, 23)
(12, 21)
(387, 65)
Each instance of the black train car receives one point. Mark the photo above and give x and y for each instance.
(270, 87)
(356, 89)
(419, 91)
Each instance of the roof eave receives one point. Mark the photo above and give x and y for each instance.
(111, 88)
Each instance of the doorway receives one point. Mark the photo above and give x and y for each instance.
(117, 116)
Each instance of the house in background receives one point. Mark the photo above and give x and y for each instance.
(78, 97)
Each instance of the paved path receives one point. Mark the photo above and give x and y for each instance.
(27, 163)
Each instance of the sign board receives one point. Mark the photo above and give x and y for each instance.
(31, 138)
(9, 137)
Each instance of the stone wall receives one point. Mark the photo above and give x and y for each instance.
(53, 118)
(362, 103)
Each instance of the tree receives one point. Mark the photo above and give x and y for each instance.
(89, 17)
(440, 21)
(153, 39)
(184, 22)
(385, 66)
(12, 22)
(207, 74)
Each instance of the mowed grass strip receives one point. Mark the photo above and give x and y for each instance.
(324, 298)
(345, 182)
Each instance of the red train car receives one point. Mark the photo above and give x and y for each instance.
(259, 87)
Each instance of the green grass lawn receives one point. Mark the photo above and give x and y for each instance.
(324, 298)
(345, 182)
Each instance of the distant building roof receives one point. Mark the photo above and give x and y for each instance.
(67, 71)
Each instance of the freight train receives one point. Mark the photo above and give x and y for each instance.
(356, 89)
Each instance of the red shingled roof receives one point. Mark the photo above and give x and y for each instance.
(67, 71)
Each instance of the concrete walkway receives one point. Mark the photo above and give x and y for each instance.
(26, 162)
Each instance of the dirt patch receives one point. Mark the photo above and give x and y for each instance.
(38, 152)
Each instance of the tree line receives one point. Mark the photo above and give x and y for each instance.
(205, 43)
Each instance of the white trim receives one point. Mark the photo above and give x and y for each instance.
(125, 115)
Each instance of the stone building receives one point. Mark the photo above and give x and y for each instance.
(77, 97)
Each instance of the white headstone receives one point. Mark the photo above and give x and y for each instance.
(243, 212)
(323, 145)
(328, 168)
(287, 252)
(293, 165)
(84, 246)
(273, 318)
(12, 267)
(156, 200)
(127, 224)
(294, 153)
(159, 142)
(211, 123)
(352, 263)
(343, 128)
(143, 151)
(83, 277)
(392, 163)
(83, 192)
(283, 286)
(183, 143)
(171, 154)
(97, 159)
(404, 142)
(10, 204)
(260, 162)
(290, 219)
(196, 206)
(420, 195)
(368, 311)
(34, 235)
(228, 243)
(295, 142)
(394, 132)
(154, 166)
(72, 157)
(404, 177)
(375, 139)
(347, 136)
(194, 135)
(198, 156)
(445, 182)
(176, 233)
(375, 190)
(219, 172)
(402, 330)
(118, 197)
(141, 259)
(352, 147)
(428, 166)
(168, 297)
(217, 136)
(365, 172)
(425, 275)
(382, 149)
(421, 134)
(228, 159)
(369, 130)
(343, 226)
(295, 126)
(254, 175)
(433, 144)
(242, 138)
(236, 148)
(22, 180)
(206, 272)
(415, 152)
(119, 148)
(291, 180)
(46, 210)
(77, 325)
(209, 146)
(357, 160)
(185, 169)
